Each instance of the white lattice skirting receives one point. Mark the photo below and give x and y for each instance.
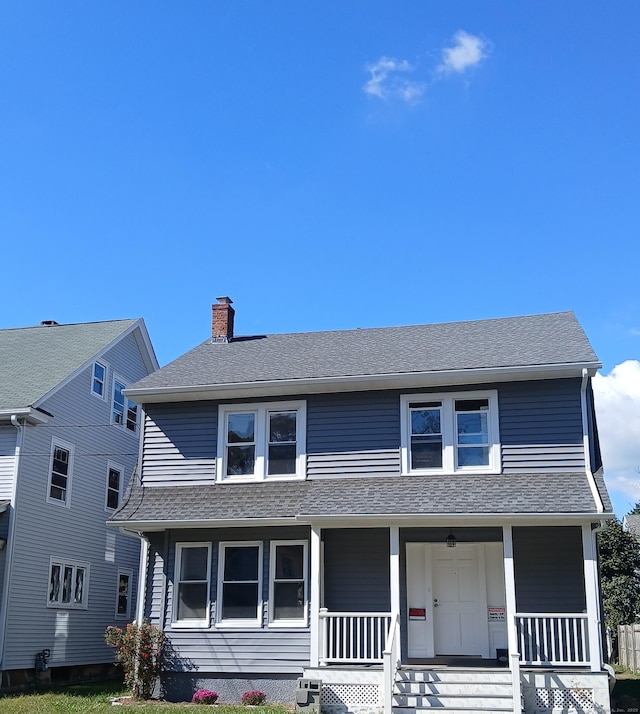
(565, 699)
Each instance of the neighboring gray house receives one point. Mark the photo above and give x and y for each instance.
(69, 443)
(631, 523)
(406, 513)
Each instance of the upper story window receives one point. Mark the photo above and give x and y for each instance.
(124, 412)
(68, 584)
(261, 441)
(450, 433)
(114, 485)
(99, 380)
(60, 472)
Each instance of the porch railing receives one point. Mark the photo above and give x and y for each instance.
(391, 658)
(353, 637)
(553, 638)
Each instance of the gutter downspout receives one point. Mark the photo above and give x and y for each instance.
(4, 604)
(586, 443)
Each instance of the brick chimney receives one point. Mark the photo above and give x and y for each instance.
(222, 320)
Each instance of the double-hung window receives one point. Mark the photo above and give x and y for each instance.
(450, 433)
(124, 412)
(68, 584)
(288, 583)
(114, 485)
(98, 379)
(60, 472)
(191, 592)
(123, 594)
(240, 584)
(261, 441)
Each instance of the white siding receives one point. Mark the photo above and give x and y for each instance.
(78, 532)
(8, 436)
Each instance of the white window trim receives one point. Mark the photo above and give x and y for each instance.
(300, 622)
(127, 402)
(448, 426)
(66, 562)
(261, 409)
(243, 623)
(116, 467)
(105, 382)
(129, 573)
(55, 442)
(205, 622)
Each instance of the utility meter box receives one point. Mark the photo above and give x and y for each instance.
(308, 694)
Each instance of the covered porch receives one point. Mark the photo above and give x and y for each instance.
(517, 597)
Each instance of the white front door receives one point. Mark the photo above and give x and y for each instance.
(459, 600)
(447, 600)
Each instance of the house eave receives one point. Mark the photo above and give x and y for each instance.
(450, 519)
(365, 521)
(162, 525)
(29, 414)
(365, 382)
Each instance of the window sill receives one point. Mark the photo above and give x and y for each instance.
(479, 471)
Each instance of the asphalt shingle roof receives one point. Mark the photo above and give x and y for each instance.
(555, 338)
(34, 360)
(527, 493)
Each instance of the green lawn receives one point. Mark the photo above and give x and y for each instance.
(96, 699)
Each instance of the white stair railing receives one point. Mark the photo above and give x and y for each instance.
(391, 658)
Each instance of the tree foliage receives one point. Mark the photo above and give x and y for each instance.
(619, 553)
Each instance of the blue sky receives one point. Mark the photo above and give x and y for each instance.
(327, 165)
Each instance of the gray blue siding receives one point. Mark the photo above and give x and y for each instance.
(358, 434)
(180, 443)
(549, 569)
(541, 426)
(356, 570)
(353, 434)
(228, 650)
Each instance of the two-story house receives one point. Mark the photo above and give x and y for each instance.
(69, 443)
(407, 514)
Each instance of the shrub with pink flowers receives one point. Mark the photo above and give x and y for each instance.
(204, 696)
(139, 650)
(253, 698)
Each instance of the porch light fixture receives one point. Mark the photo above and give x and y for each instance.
(451, 540)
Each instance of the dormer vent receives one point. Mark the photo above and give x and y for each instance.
(222, 320)
(48, 323)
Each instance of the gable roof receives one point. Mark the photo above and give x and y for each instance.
(529, 343)
(35, 360)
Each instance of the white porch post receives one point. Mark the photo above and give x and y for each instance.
(394, 568)
(314, 597)
(510, 601)
(591, 593)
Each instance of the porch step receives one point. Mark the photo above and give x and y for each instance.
(454, 691)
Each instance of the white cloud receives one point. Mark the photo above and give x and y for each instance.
(387, 83)
(617, 397)
(468, 51)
